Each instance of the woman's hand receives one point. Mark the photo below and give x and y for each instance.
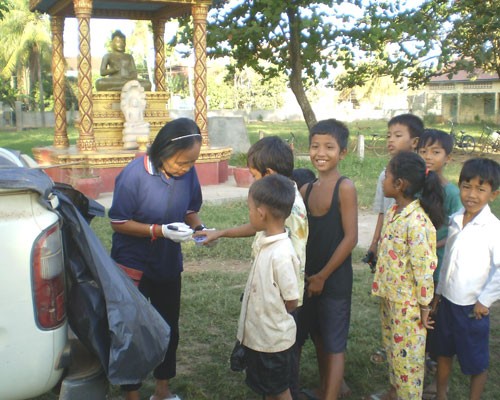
(177, 231)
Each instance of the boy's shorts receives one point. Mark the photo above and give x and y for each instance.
(458, 332)
(327, 318)
(268, 374)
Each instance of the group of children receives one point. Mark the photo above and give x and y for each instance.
(300, 282)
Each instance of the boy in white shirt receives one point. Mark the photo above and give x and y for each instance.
(469, 281)
(266, 328)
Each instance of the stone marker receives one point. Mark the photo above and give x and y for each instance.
(228, 132)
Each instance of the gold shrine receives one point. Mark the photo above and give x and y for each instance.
(98, 147)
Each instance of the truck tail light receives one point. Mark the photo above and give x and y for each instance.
(48, 279)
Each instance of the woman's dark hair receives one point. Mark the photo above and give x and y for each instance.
(485, 169)
(301, 176)
(431, 136)
(271, 152)
(422, 183)
(176, 135)
(276, 192)
(336, 129)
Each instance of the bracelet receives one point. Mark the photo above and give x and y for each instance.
(199, 228)
(425, 308)
(152, 232)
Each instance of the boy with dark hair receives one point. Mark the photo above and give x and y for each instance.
(332, 212)
(266, 328)
(271, 155)
(402, 135)
(469, 281)
(435, 147)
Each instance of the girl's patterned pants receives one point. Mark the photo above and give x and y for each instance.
(403, 337)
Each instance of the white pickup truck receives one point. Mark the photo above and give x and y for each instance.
(36, 352)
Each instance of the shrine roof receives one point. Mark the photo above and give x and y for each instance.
(123, 9)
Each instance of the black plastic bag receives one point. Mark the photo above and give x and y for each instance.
(237, 360)
(105, 310)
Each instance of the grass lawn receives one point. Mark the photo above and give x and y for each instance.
(214, 279)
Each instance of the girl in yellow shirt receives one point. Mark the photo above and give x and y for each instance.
(406, 262)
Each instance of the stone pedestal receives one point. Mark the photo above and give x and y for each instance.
(108, 119)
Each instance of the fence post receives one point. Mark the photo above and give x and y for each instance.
(361, 146)
(19, 116)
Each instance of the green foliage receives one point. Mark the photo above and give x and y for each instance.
(243, 89)
(25, 48)
(178, 84)
(238, 160)
(307, 40)
(413, 44)
(8, 94)
(4, 8)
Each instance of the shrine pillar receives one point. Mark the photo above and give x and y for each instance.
(59, 82)
(159, 45)
(199, 12)
(86, 140)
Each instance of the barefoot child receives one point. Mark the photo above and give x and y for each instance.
(469, 281)
(332, 212)
(403, 277)
(266, 328)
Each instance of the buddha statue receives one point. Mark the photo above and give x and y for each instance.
(118, 67)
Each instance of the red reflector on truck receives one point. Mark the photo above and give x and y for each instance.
(48, 279)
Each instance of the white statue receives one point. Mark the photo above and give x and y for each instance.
(133, 104)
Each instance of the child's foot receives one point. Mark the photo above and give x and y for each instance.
(308, 394)
(315, 394)
(387, 395)
(379, 357)
(345, 391)
(430, 391)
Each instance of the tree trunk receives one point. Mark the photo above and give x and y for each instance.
(32, 79)
(296, 83)
(40, 87)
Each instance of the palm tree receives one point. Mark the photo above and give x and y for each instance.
(25, 37)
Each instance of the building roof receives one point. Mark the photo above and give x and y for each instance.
(124, 9)
(464, 76)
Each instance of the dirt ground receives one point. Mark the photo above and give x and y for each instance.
(217, 265)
